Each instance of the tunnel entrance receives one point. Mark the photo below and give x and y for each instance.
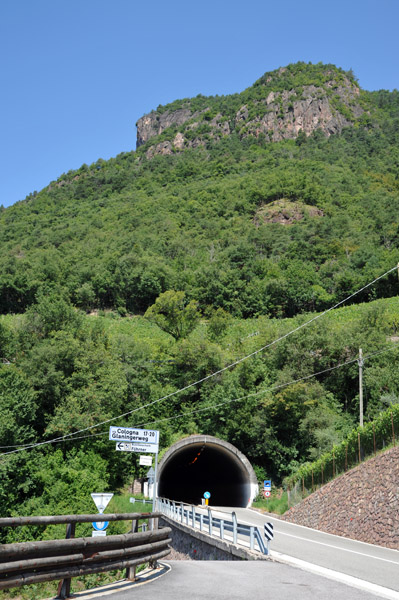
(199, 464)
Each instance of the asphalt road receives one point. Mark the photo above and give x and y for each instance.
(374, 564)
(230, 580)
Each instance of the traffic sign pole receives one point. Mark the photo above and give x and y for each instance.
(155, 486)
(131, 439)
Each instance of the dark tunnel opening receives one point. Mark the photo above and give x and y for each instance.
(197, 468)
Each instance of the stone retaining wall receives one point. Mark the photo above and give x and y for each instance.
(362, 504)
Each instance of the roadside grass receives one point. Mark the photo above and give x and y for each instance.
(276, 504)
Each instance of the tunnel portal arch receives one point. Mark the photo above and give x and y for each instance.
(201, 463)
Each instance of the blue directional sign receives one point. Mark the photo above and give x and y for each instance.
(207, 495)
(100, 525)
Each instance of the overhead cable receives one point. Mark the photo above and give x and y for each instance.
(214, 374)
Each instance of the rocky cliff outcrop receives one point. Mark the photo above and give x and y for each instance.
(328, 104)
(362, 504)
(286, 114)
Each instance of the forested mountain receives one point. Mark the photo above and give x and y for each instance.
(234, 218)
(237, 222)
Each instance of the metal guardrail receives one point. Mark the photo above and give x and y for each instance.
(141, 500)
(240, 534)
(25, 563)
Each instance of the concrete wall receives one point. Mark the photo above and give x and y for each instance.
(190, 544)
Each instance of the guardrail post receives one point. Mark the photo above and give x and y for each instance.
(222, 529)
(210, 521)
(234, 519)
(251, 537)
(131, 571)
(153, 524)
(182, 512)
(201, 521)
(193, 516)
(64, 587)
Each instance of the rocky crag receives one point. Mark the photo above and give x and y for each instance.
(362, 504)
(284, 104)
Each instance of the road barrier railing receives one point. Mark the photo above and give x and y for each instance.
(204, 519)
(25, 563)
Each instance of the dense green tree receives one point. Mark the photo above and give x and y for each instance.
(172, 313)
(18, 408)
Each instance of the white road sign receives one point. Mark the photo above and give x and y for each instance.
(146, 460)
(124, 446)
(131, 434)
(101, 501)
(129, 447)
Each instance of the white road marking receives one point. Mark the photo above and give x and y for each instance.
(298, 537)
(373, 588)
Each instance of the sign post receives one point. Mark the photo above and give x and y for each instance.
(154, 493)
(269, 534)
(132, 439)
(207, 495)
(267, 488)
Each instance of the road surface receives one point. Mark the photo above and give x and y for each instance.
(230, 580)
(374, 564)
(309, 564)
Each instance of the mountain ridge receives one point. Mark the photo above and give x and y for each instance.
(280, 105)
(237, 222)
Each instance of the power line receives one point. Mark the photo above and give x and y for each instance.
(207, 377)
(214, 406)
(269, 389)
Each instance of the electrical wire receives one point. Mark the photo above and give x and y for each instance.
(207, 377)
(214, 406)
(269, 389)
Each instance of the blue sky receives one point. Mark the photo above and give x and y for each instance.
(77, 74)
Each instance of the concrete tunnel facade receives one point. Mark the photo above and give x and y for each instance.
(202, 463)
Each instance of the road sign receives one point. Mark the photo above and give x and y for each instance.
(141, 441)
(145, 460)
(101, 501)
(151, 473)
(134, 435)
(207, 495)
(266, 493)
(124, 446)
(129, 447)
(267, 485)
(269, 534)
(100, 525)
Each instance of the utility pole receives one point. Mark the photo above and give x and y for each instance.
(360, 362)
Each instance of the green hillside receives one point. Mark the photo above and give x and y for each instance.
(239, 223)
(129, 279)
